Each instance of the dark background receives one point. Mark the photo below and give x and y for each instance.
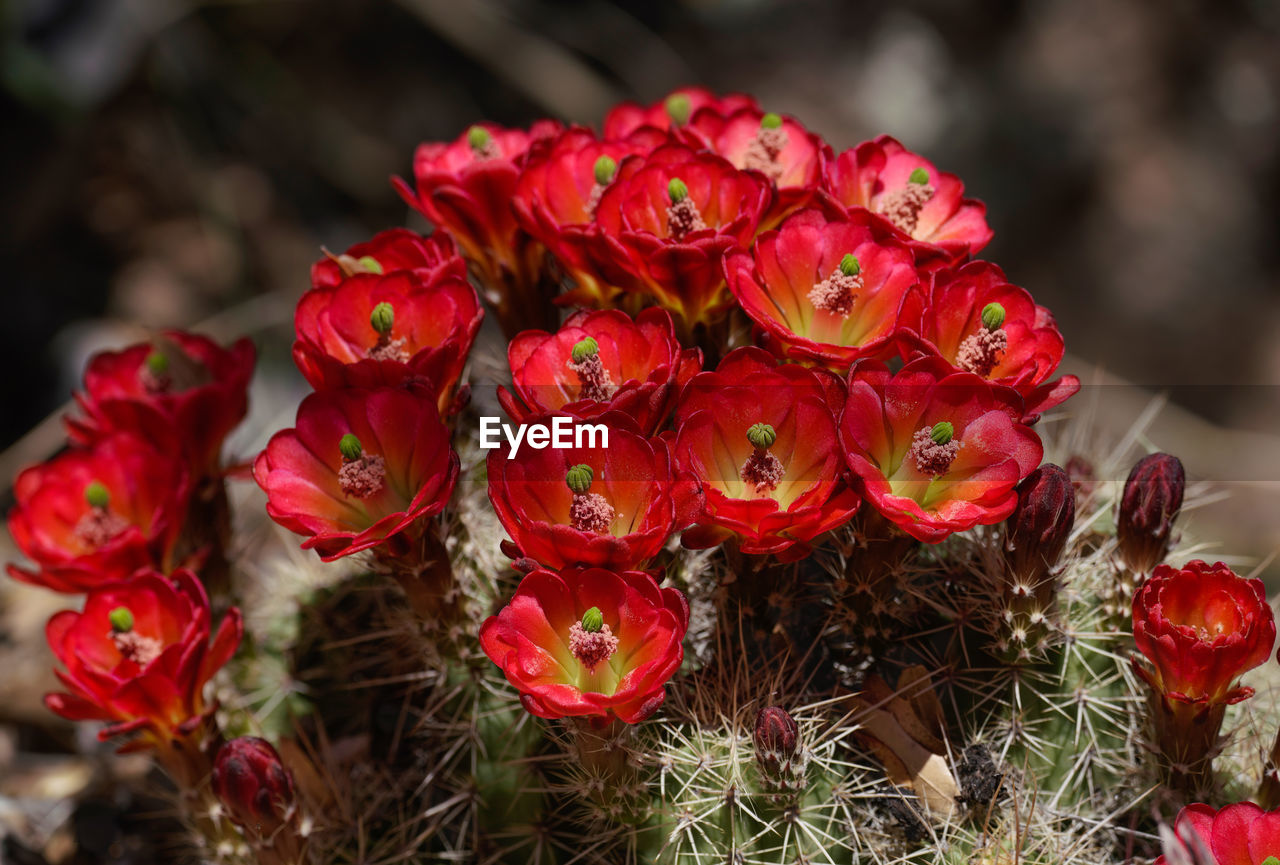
(168, 162)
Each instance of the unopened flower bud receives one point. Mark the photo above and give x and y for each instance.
(993, 316)
(920, 177)
(121, 619)
(1038, 530)
(383, 318)
(97, 494)
(479, 138)
(942, 433)
(762, 436)
(254, 787)
(579, 478)
(370, 264)
(779, 751)
(592, 620)
(350, 447)
(677, 191)
(1151, 501)
(849, 265)
(678, 108)
(583, 349)
(771, 121)
(604, 170)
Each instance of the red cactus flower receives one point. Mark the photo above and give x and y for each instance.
(974, 319)
(667, 221)
(925, 205)
(93, 515)
(598, 362)
(371, 330)
(589, 643)
(139, 656)
(1201, 627)
(776, 146)
(826, 290)
(556, 199)
(432, 258)
(466, 187)
(1239, 834)
(761, 441)
(674, 110)
(179, 391)
(609, 506)
(362, 468)
(934, 450)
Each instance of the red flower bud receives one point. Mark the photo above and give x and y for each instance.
(253, 786)
(1151, 501)
(1037, 532)
(778, 749)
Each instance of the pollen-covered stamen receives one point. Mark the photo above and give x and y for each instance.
(838, 291)
(902, 205)
(382, 320)
(589, 512)
(592, 641)
(603, 171)
(980, 352)
(482, 144)
(132, 645)
(98, 525)
(933, 449)
(584, 359)
(683, 216)
(361, 475)
(762, 470)
(762, 154)
(154, 373)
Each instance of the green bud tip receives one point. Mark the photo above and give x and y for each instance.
(97, 494)
(919, 176)
(121, 619)
(350, 447)
(942, 432)
(579, 478)
(992, 316)
(849, 265)
(677, 191)
(157, 363)
(592, 620)
(604, 170)
(1271, 860)
(478, 137)
(771, 121)
(678, 108)
(383, 318)
(583, 349)
(761, 436)
(370, 264)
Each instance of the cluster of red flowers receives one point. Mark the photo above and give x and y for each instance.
(132, 514)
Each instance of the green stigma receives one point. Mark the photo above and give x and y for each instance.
(479, 138)
(678, 108)
(604, 170)
(383, 318)
(992, 316)
(121, 619)
(771, 121)
(762, 436)
(849, 265)
(583, 349)
(677, 191)
(579, 478)
(157, 363)
(350, 447)
(592, 620)
(942, 432)
(919, 176)
(370, 264)
(97, 494)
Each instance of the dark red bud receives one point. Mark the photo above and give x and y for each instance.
(1150, 504)
(777, 737)
(1038, 530)
(254, 787)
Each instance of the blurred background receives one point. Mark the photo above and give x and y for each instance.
(171, 163)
